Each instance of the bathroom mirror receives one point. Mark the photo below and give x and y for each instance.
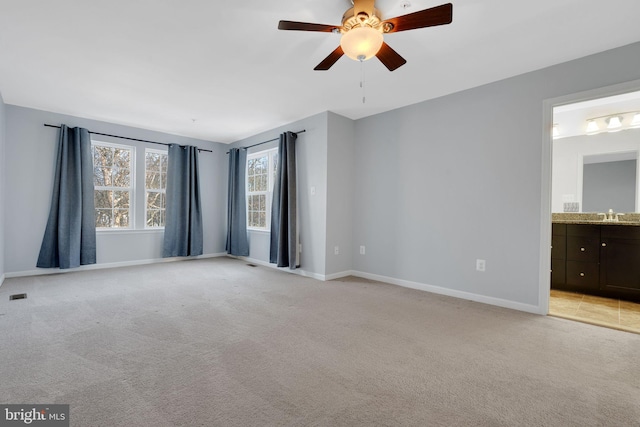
(609, 181)
(595, 155)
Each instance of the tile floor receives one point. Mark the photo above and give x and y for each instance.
(611, 313)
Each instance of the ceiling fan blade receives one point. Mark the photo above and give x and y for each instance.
(305, 26)
(439, 15)
(390, 58)
(330, 60)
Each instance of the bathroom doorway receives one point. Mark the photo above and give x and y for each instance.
(594, 170)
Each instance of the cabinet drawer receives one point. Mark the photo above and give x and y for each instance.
(584, 230)
(558, 229)
(583, 274)
(581, 248)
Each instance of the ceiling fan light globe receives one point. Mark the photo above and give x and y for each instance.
(361, 42)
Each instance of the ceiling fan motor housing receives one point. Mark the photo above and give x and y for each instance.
(362, 19)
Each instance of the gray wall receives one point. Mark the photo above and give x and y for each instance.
(31, 148)
(311, 152)
(444, 182)
(2, 185)
(340, 166)
(609, 185)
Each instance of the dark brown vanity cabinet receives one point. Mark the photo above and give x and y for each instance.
(620, 259)
(598, 259)
(583, 256)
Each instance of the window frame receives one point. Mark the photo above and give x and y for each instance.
(147, 190)
(272, 155)
(131, 189)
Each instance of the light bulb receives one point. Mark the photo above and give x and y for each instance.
(636, 121)
(592, 127)
(614, 123)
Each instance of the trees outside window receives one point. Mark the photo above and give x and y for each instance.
(113, 184)
(261, 171)
(155, 187)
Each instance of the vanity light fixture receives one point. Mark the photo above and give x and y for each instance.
(614, 123)
(636, 121)
(592, 127)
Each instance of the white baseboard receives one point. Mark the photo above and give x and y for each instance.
(451, 292)
(45, 271)
(339, 275)
(2, 279)
(407, 284)
(298, 271)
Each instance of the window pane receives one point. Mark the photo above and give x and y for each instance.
(121, 218)
(255, 219)
(163, 181)
(103, 218)
(262, 200)
(163, 163)
(261, 183)
(251, 184)
(102, 199)
(98, 177)
(153, 162)
(261, 164)
(154, 218)
(121, 199)
(122, 158)
(263, 219)
(102, 156)
(251, 167)
(155, 200)
(153, 181)
(121, 177)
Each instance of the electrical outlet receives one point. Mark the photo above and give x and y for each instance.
(336, 250)
(481, 264)
(362, 250)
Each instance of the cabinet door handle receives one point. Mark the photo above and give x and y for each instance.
(604, 244)
(582, 249)
(581, 274)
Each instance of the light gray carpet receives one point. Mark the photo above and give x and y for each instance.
(218, 343)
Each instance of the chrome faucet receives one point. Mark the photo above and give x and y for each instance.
(611, 216)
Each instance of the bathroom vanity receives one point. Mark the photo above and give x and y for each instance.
(596, 257)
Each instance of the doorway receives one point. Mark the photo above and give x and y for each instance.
(593, 169)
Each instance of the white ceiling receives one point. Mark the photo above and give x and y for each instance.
(159, 64)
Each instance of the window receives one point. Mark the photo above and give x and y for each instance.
(261, 173)
(155, 187)
(113, 184)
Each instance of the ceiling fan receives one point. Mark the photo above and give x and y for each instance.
(362, 32)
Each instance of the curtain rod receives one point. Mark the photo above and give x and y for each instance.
(130, 139)
(271, 140)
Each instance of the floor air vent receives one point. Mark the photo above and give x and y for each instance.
(17, 296)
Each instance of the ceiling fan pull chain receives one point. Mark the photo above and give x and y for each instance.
(362, 81)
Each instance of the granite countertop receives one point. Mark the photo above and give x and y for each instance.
(632, 219)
